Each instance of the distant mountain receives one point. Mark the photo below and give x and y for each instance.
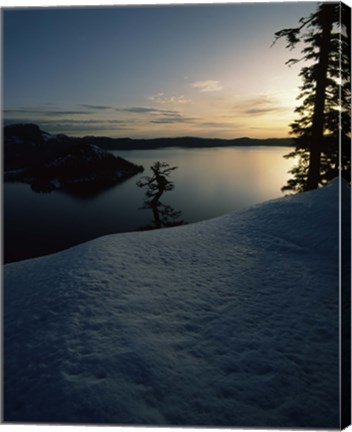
(50, 162)
(18, 137)
(183, 142)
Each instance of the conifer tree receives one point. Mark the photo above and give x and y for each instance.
(156, 185)
(322, 128)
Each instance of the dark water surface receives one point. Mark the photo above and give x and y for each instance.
(208, 183)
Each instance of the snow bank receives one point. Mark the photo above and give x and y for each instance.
(228, 322)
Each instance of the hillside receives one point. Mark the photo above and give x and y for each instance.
(228, 322)
(56, 162)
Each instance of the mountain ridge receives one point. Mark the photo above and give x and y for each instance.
(127, 143)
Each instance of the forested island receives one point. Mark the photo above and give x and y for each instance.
(50, 162)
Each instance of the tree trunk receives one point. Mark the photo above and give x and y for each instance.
(326, 20)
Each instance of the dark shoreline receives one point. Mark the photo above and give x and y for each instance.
(31, 133)
(182, 142)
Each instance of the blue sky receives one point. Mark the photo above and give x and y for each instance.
(152, 71)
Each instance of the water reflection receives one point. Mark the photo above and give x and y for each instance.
(163, 216)
(79, 190)
(208, 183)
(89, 190)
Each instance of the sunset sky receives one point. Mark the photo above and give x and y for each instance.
(152, 71)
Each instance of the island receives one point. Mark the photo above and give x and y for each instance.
(48, 162)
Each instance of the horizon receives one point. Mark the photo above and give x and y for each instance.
(154, 71)
(152, 138)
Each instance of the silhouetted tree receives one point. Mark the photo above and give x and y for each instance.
(156, 185)
(324, 114)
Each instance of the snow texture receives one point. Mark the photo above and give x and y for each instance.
(227, 322)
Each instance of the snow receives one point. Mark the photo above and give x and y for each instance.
(56, 184)
(47, 137)
(227, 322)
(100, 153)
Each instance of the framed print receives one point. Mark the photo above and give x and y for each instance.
(176, 215)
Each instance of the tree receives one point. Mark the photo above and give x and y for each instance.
(324, 114)
(156, 185)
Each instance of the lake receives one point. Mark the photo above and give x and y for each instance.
(209, 182)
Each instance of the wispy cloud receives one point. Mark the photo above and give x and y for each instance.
(43, 112)
(207, 85)
(146, 110)
(75, 126)
(172, 120)
(39, 112)
(96, 107)
(51, 111)
(220, 125)
(83, 128)
(260, 111)
(86, 122)
(163, 99)
(63, 113)
(158, 116)
(258, 106)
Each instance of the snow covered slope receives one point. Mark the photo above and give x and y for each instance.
(230, 322)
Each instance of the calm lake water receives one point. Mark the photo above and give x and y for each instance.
(208, 183)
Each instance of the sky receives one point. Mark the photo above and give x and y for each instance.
(152, 71)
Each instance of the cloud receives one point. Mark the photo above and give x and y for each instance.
(85, 122)
(170, 120)
(162, 99)
(74, 121)
(159, 116)
(164, 116)
(49, 111)
(96, 107)
(258, 106)
(83, 127)
(207, 85)
(67, 126)
(35, 112)
(221, 125)
(42, 112)
(146, 110)
(138, 110)
(57, 113)
(259, 111)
